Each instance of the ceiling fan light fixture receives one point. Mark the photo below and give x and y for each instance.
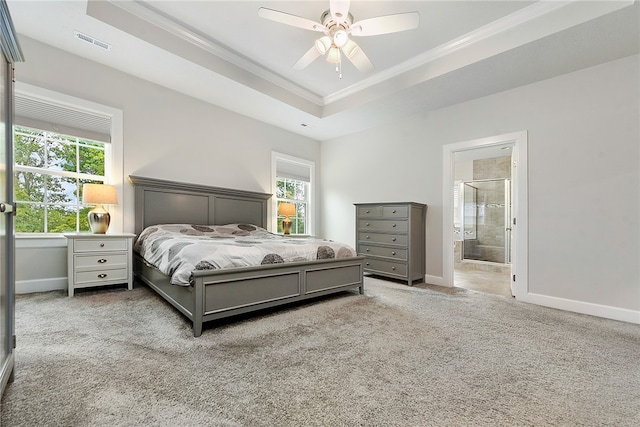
(334, 55)
(323, 44)
(350, 49)
(340, 38)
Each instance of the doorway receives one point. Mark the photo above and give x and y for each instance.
(485, 221)
(482, 218)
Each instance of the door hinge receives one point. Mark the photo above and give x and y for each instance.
(13, 74)
(514, 221)
(14, 341)
(514, 277)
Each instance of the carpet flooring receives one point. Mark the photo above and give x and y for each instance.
(396, 356)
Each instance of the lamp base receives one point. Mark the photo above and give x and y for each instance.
(286, 227)
(99, 220)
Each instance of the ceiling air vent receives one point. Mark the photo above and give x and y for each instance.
(93, 41)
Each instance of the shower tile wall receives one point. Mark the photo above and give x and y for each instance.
(495, 168)
(489, 245)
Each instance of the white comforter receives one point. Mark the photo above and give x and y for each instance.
(178, 249)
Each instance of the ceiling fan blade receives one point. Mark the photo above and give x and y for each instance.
(339, 9)
(357, 57)
(307, 58)
(386, 24)
(287, 18)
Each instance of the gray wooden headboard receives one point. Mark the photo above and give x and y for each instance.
(167, 202)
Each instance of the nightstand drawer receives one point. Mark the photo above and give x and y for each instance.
(99, 262)
(394, 253)
(98, 244)
(97, 276)
(391, 239)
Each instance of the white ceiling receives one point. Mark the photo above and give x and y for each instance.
(222, 52)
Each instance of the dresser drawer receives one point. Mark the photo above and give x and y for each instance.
(398, 211)
(395, 211)
(103, 261)
(386, 267)
(395, 253)
(369, 211)
(97, 276)
(390, 239)
(97, 244)
(383, 225)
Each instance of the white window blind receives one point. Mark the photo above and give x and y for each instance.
(292, 170)
(53, 117)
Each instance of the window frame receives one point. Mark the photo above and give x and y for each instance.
(310, 194)
(49, 139)
(113, 167)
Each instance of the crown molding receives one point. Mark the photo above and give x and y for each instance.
(543, 10)
(205, 43)
(540, 19)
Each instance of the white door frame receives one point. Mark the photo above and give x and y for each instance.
(519, 261)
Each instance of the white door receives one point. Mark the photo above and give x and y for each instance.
(10, 53)
(6, 241)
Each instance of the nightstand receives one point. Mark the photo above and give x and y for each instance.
(99, 260)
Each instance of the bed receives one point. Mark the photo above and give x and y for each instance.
(220, 293)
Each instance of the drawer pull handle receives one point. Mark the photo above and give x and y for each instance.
(393, 268)
(367, 249)
(393, 253)
(393, 239)
(102, 275)
(394, 211)
(394, 225)
(368, 237)
(368, 211)
(102, 261)
(367, 263)
(102, 245)
(368, 224)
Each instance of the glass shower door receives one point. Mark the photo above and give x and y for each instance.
(469, 220)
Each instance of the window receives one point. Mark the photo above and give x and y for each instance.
(293, 191)
(60, 143)
(50, 169)
(293, 184)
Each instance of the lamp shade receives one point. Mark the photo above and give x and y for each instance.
(323, 44)
(99, 194)
(334, 55)
(287, 209)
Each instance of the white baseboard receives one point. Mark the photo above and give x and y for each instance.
(598, 310)
(435, 280)
(41, 285)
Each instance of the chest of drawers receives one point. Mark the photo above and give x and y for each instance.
(99, 260)
(392, 238)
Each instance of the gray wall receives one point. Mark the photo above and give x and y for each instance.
(583, 162)
(167, 135)
(583, 156)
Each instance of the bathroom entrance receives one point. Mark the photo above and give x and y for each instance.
(482, 218)
(492, 171)
(486, 213)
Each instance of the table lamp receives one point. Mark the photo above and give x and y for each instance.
(99, 195)
(286, 210)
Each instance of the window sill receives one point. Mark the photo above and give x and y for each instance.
(40, 240)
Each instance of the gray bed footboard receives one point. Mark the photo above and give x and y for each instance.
(224, 293)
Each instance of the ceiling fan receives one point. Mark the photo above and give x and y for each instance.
(337, 26)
